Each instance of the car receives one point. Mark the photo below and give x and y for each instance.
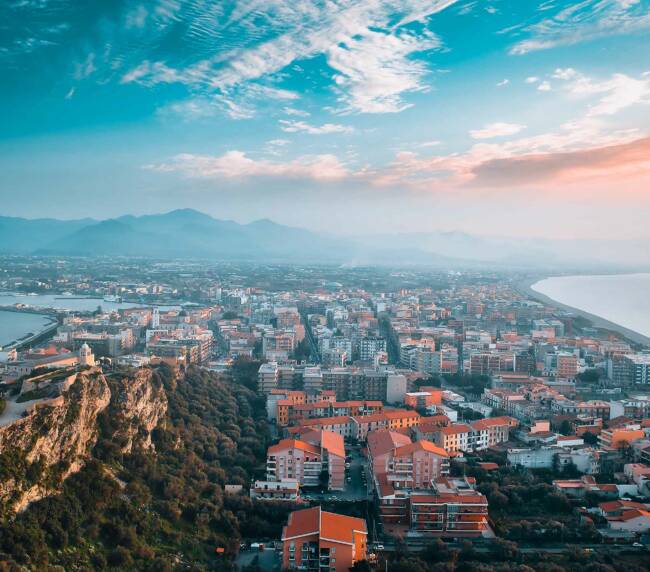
(637, 545)
(379, 546)
(347, 465)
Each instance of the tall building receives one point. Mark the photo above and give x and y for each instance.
(370, 347)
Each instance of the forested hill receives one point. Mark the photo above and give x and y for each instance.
(156, 510)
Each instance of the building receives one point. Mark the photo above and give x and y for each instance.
(323, 541)
(626, 516)
(567, 365)
(415, 466)
(317, 456)
(455, 510)
(287, 490)
(426, 397)
(369, 347)
(86, 356)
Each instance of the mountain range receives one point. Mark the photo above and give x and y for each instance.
(188, 233)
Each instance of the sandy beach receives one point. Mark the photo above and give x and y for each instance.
(525, 287)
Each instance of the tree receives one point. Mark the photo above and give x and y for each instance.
(565, 427)
(589, 438)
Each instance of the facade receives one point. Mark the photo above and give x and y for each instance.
(306, 460)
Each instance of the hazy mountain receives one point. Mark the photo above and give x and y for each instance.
(23, 236)
(191, 234)
(181, 233)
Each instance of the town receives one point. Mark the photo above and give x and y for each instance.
(405, 407)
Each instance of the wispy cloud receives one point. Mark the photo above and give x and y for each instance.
(303, 127)
(496, 130)
(582, 21)
(237, 165)
(368, 47)
(614, 94)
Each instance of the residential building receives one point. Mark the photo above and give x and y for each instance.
(323, 541)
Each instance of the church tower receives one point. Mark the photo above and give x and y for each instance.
(86, 356)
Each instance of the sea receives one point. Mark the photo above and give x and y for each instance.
(16, 325)
(623, 299)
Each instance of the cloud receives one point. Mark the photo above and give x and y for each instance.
(582, 21)
(237, 165)
(503, 83)
(368, 48)
(609, 163)
(458, 170)
(137, 17)
(85, 68)
(303, 127)
(617, 93)
(496, 130)
(295, 112)
(544, 86)
(565, 73)
(532, 79)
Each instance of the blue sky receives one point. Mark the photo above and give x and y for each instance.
(506, 117)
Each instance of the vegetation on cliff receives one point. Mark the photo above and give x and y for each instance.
(161, 510)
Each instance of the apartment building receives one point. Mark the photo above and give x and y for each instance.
(307, 458)
(424, 398)
(567, 365)
(454, 438)
(455, 512)
(314, 539)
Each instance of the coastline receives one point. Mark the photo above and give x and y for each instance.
(28, 338)
(524, 286)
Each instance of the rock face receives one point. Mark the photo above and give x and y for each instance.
(54, 440)
(138, 403)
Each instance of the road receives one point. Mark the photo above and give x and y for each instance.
(315, 355)
(484, 547)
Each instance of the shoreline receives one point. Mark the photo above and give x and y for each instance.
(30, 337)
(525, 287)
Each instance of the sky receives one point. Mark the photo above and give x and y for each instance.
(515, 118)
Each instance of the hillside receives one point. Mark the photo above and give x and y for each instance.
(147, 492)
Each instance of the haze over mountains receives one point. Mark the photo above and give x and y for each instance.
(189, 233)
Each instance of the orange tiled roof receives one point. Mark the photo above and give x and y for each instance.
(327, 525)
(332, 442)
(381, 442)
(427, 446)
(293, 444)
(455, 429)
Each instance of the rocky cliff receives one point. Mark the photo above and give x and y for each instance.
(55, 439)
